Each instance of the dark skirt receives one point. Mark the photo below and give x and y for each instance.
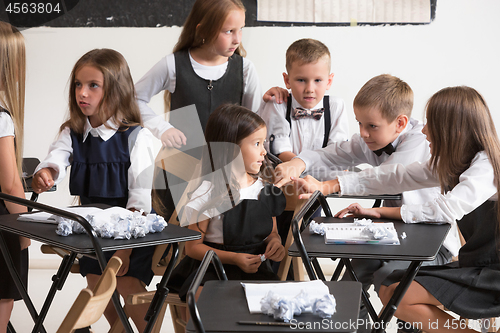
(184, 273)
(140, 264)
(8, 289)
(471, 292)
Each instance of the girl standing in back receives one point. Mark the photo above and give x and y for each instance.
(207, 68)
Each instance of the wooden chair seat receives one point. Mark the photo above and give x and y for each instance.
(90, 304)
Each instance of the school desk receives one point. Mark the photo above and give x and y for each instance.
(222, 306)
(422, 243)
(87, 244)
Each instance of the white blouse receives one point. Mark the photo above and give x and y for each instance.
(6, 125)
(306, 133)
(162, 76)
(201, 196)
(140, 172)
(476, 186)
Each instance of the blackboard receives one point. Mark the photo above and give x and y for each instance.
(122, 13)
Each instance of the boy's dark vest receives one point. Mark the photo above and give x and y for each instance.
(99, 170)
(326, 114)
(207, 95)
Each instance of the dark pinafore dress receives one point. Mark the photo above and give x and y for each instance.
(206, 95)
(245, 228)
(99, 174)
(8, 289)
(469, 287)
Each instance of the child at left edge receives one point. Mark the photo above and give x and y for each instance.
(108, 151)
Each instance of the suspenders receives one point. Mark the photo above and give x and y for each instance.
(326, 114)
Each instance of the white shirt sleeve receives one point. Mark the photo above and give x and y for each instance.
(6, 125)
(476, 185)
(252, 91)
(59, 156)
(339, 127)
(274, 115)
(160, 77)
(412, 147)
(140, 172)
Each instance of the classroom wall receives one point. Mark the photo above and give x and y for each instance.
(460, 47)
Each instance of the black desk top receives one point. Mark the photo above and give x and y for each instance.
(81, 243)
(371, 196)
(223, 303)
(422, 242)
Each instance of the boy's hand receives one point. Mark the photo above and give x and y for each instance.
(280, 95)
(357, 210)
(124, 255)
(308, 185)
(43, 180)
(275, 250)
(173, 138)
(285, 171)
(249, 263)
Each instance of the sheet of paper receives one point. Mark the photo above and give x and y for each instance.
(344, 11)
(45, 217)
(350, 233)
(256, 291)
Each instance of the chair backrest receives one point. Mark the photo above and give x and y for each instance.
(90, 304)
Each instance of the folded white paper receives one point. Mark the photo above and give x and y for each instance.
(255, 292)
(45, 217)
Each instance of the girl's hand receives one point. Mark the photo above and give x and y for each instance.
(280, 95)
(25, 242)
(275, 250)
(356, 210)
(173, 138)
(124, 255)
(43, 180)
(249, 263)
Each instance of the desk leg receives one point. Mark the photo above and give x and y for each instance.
(17, 280)
(399, 292)
(161, 291)
(364, 293)
(58, 281)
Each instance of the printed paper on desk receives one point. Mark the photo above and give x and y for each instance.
(45, 217)
(350, 233)
(255, 292)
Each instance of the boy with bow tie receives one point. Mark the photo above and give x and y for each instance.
(309, 120)
(387, 135)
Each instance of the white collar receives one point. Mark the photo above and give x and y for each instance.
(296, 104)
(102, 131)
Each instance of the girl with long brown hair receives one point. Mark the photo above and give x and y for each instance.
(233, 202)
(465, 162)
(110, 158)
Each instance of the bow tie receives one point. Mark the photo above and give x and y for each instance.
(299, 113)
(389, 149)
